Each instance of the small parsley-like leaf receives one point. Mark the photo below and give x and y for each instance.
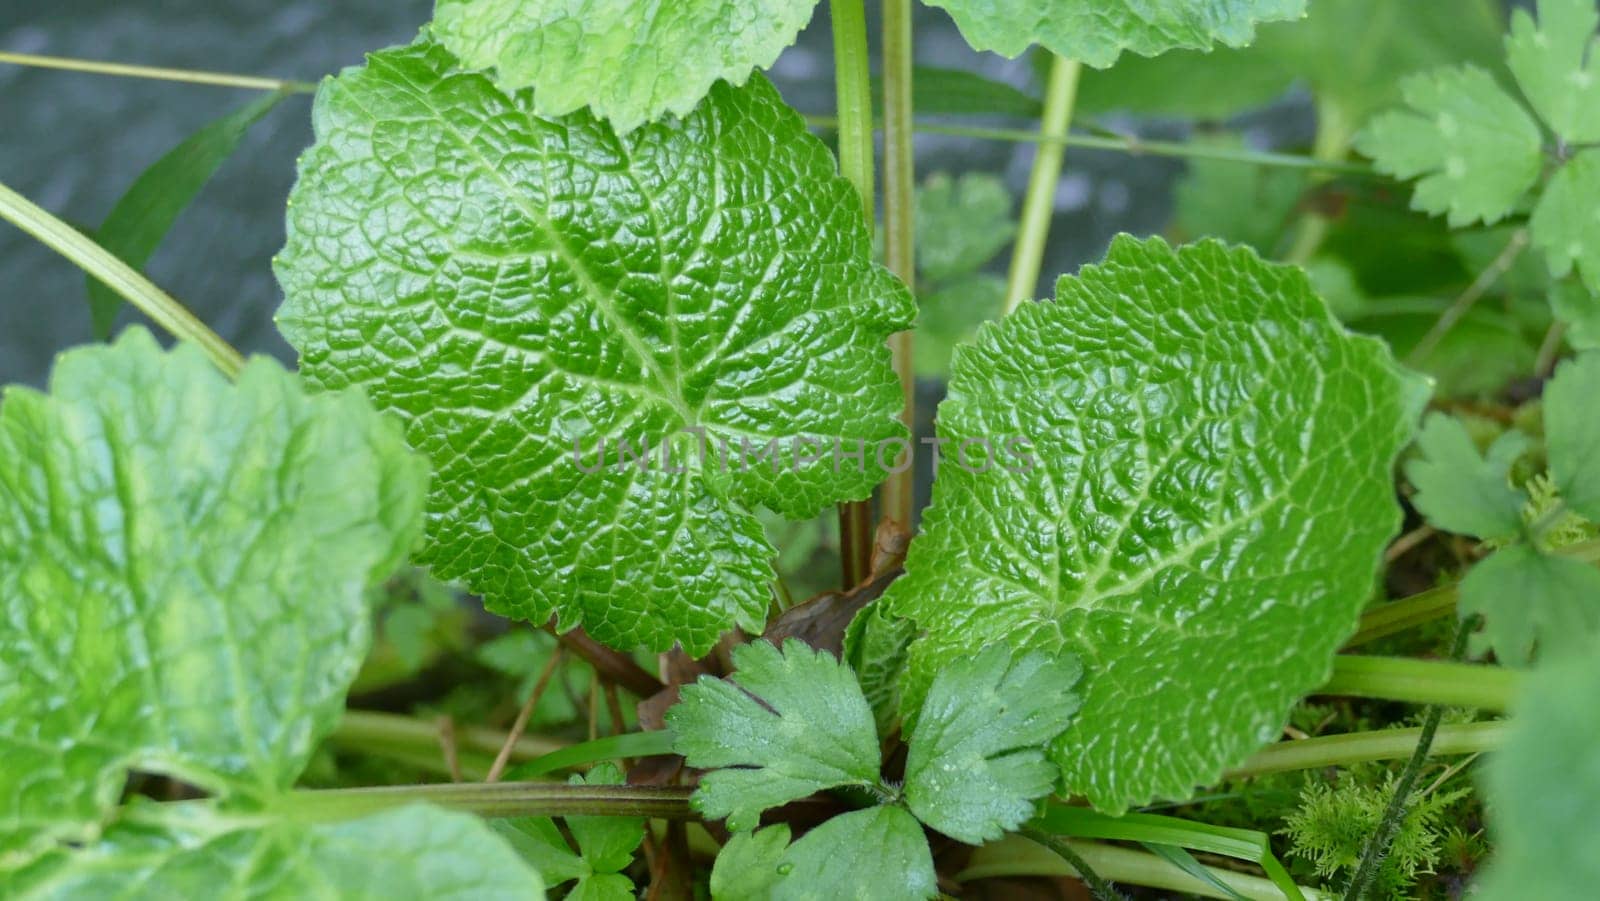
(1543, 787)
(1564, 225)
(629, 61)
(961, 224)
(1097, 31)
(416, 852)
(867, 855)
(1555, 64)
(1460, 489)
(877, 854)
(605, 844)
(1579, 308)
(792, 722)
(748, 865)
(1475, 148)
(1572, 433)
(519, 289)
(976, 760)
(1532, 599)
(1211, 495)
(182, 571)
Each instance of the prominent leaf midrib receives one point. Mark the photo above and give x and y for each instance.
(602, 300)
(142, 603)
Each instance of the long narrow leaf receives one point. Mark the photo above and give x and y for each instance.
(144, 215)
(1153, 830)
(1185, 861)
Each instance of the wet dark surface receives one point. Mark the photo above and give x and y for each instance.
(75, 142)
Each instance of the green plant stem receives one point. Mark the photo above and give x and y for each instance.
(1464, 301)
(899, 225)
(1393, 617)
(1358, 747)
(1120, 143)
(1098, 887)
(1039, 204)
(1397, 616)
(1016, 855)
(188, 76)
(374, 732)
(498, 799)
(1381, 841)
(853, 91)
(119, 277)
(1332, 144)
(1131, 144)
(1423, 682)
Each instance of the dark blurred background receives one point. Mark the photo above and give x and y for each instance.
(75, 142)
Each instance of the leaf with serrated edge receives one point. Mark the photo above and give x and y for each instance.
(415, 852)
(793, 723)
(869, 855)
(1564, 225)
(512, 286)
(182, 566)
(1460, 489)
(747, 866)
(1572, 432)
(628, 61)
(1529, 598)
(976, 760)
(1543, 787)
(1579, 309)
(1097, 31)
(1557, 66)
(1476, 149)
(1209, 502)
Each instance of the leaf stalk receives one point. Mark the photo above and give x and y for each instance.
(1039, 204)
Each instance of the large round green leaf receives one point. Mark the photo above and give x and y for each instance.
(515, 287)
(1209, 497)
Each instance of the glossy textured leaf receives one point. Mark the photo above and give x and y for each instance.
(1556, 65)
(977, 760)
(515, 287)
(876, 644)
(143, 216)
(1572, 433)
(182, 566)
(418, 852)
(1475, 149)
(1097, 31)
(1460, 489)
(630, 61)
(1543, 788)
(1565, 225)
(1532, 600)
(788, 723)
(1210, 499)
